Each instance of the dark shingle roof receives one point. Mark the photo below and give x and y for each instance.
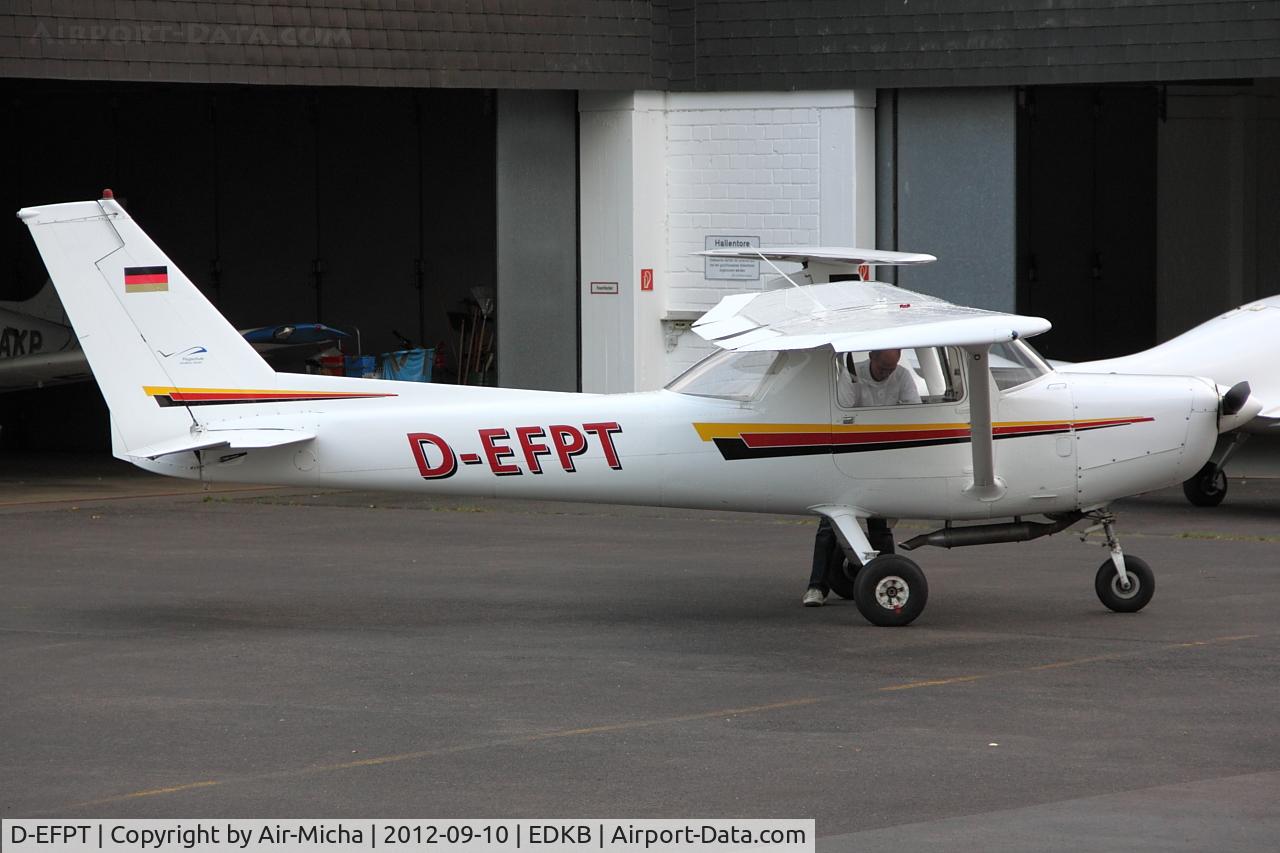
(635, 44)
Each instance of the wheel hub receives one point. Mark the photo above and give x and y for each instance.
(1125, 590)
(892, 592)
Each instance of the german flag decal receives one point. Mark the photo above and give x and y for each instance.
(146, 279)
(226, 396)
(768, 441)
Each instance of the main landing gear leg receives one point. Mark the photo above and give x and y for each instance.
(842, 566)
(889, 589)
(1123, 583)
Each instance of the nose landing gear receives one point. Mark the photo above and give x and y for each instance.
(1124, 583)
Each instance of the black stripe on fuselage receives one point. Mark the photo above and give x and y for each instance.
(735, 448)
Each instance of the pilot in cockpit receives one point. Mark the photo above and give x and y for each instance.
(878, 381)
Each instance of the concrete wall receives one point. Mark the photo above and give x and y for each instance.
(662, 173)
(622, 232)
(956, 193)
(537, 240)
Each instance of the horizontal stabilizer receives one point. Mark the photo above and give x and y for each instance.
(232, 439)
(865, 316)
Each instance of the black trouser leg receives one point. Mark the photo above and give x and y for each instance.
(824, 542)
(879, 535)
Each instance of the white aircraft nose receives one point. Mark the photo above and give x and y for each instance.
(1236, 407)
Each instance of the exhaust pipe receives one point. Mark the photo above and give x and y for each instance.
(990, 534)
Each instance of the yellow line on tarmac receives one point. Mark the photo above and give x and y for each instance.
(552, 735)
(154, 792)
(1063, 664)
(434, 753)
(935, 682)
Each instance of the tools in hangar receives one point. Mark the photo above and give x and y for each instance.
(474, 330)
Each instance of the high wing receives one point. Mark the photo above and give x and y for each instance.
(853, 316)
(868, 315)
(807, 254)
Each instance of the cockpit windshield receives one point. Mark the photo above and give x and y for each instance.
(1015, 363)
(727, 375)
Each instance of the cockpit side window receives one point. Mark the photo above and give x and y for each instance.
(728, 375)
(934, 372)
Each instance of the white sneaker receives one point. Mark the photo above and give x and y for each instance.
(813, 597)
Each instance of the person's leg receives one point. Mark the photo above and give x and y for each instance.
(823, 543)
(879, 535)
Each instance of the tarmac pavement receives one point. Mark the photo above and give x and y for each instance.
(272, 653)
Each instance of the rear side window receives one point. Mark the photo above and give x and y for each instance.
(727, 375)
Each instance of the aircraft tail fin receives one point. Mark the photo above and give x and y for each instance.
(144, 327)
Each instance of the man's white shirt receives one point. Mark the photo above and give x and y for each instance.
(899, 387)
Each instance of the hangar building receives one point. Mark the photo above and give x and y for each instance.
(369, 162)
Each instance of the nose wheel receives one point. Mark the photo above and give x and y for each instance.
(1129, 594)
(1208, 487)
(1124, 583)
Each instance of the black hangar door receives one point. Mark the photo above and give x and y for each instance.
(1087, 218)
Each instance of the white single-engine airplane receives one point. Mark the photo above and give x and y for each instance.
(998, 435)
(1243, 341)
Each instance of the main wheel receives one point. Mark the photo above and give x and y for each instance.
(1208, 487)
(891, 591)
(1142, 585)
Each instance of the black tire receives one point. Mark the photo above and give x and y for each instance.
(842, 574)
(1143, 585)
(891, 591)
(1208, 487)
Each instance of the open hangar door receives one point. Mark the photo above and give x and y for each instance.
(366, 208)
(1087, 218)
(1145, 210)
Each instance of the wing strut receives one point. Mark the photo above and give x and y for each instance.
(986, 486)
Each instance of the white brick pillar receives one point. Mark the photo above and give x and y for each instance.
(662, 173)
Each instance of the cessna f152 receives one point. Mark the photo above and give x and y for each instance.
(998, 437)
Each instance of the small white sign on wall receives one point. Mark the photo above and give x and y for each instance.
(731, 269)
